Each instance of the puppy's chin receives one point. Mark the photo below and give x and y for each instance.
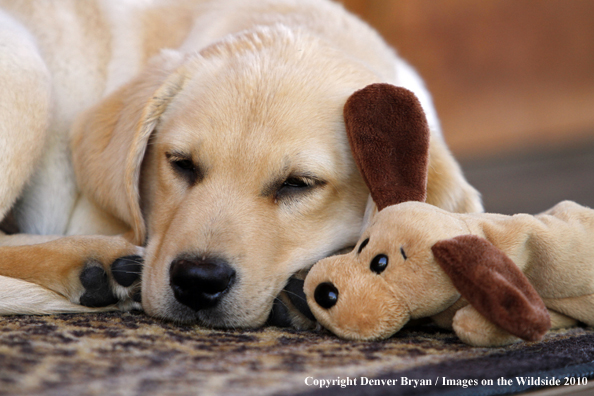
(289, 309)
(219, 316)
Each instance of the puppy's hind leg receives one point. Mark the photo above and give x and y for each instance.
(25, 89)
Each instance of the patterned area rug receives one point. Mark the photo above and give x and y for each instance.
(132, 354)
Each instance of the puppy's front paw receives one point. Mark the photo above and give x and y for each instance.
(97, 287)
(120, 284)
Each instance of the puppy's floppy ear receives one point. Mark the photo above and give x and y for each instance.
(493, 285)
(389, 137)
(110, 139)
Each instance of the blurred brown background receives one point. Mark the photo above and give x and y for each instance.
(513, 83)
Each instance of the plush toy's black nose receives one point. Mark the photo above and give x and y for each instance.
(200, 283)
(326, 295)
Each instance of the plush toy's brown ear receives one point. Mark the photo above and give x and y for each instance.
(493, 285)
(389, 137)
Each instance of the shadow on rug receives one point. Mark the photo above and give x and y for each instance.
(132, 354)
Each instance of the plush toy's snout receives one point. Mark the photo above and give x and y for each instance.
(326, 293)
(337, 300)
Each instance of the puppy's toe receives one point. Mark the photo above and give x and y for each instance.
(126, 270)
(120, 284)
(96, 283)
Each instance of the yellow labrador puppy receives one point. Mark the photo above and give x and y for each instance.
(209, 132)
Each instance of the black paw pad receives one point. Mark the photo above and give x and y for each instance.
(97, 290)
(126, 270)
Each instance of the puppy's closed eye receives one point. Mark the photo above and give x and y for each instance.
(296, 185)
(185, 167)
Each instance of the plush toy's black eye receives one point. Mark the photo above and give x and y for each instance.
(326, 295)
(379, 263)
(362, 245)
(403, 253)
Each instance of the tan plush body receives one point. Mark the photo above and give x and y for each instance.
(493, 278)
(555, 250)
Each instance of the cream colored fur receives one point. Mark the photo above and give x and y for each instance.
(36, 300)
(253, 91)
(555, 251)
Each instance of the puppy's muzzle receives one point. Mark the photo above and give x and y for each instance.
(200, 283)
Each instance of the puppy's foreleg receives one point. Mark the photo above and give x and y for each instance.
(94, 271)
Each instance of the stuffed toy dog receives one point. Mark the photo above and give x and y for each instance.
(494, 279)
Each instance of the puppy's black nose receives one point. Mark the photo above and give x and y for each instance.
(200, 283)
(326, 295)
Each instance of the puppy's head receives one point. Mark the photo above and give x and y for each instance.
(233, 166)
